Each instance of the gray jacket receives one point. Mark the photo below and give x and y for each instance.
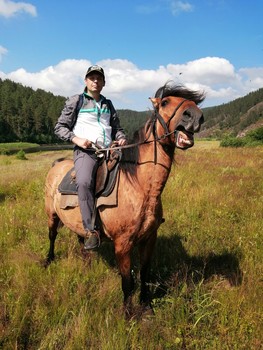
(66, 121)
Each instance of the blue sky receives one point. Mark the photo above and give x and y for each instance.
(210, 45)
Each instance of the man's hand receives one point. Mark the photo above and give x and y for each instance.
(122, 142)
(83, 143)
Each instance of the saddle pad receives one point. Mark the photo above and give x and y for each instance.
(69, 201)
(68, 183)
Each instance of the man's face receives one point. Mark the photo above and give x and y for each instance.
(95, 82)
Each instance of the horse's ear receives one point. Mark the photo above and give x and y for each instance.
(155, 101)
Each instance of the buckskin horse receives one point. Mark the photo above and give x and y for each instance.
(143, 173)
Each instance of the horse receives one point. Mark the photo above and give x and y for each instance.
(143, 172)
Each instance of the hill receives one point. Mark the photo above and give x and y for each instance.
(26, 114)
(236, 117)
(29, 116)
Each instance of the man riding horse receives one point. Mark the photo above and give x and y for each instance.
(89, 119)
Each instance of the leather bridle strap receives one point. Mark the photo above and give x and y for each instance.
(166, 125)
(156, 137)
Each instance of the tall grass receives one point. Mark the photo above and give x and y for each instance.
(206, 273)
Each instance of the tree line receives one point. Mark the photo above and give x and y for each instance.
(27, 115)
(235, 116)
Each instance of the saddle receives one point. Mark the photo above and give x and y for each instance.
(106, 181)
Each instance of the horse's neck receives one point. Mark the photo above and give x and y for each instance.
(153, 168)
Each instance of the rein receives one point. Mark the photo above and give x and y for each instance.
(165, 126)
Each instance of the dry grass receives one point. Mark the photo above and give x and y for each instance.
(207, 267)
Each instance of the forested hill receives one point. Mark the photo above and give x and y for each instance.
(29, 115)
(236, 117)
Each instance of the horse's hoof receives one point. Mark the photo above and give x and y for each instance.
(144, 312)
(46, 262)
(147, 313)
(129, 313)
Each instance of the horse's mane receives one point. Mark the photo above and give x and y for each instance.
(170, 89)
(130, 155)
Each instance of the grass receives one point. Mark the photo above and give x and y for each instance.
(12, 147)
(17, 145)
(207, 266)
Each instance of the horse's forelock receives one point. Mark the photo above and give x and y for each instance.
(180, 91)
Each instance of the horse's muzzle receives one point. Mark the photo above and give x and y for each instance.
(191, 121)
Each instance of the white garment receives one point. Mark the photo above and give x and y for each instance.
(94, 125)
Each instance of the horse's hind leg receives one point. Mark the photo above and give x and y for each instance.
(53, 223)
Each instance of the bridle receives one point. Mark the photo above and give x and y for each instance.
(153, 130)
(165, 125)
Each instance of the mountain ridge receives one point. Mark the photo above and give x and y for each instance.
(30, 115)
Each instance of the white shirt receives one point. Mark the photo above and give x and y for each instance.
(94, 125)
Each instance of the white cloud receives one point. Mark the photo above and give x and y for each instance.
(10, 8)
(176, 7)
(129, 87)
(3, 51)
(180, 6)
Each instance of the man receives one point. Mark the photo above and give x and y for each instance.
(95, 121)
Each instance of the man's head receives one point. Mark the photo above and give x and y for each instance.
(94, 80)
(95, 69)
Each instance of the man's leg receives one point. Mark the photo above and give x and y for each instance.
(86, 166)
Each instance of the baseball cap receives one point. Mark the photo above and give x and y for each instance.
(95, 68)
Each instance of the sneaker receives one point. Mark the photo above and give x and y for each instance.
(92, 241)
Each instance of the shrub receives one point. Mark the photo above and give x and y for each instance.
(252, 139)
(21, 155)
(232, 142)
(256, 135)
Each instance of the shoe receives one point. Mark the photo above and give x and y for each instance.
(92, 241)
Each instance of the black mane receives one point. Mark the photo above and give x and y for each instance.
(180, 91)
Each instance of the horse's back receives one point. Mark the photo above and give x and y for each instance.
(57, 172)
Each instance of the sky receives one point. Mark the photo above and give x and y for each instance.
(215, 46)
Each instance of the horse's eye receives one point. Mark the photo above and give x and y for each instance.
(164, 103)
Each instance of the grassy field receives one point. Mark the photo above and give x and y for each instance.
(207, 267)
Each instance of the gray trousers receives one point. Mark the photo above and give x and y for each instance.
(86, 165)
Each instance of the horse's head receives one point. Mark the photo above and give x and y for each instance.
(177, 115)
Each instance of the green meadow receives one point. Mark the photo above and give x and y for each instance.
(206, 273)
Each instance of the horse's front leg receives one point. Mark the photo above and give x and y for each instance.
(124, 264)
(145, 251)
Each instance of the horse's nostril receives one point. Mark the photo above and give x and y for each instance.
(187, 112)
